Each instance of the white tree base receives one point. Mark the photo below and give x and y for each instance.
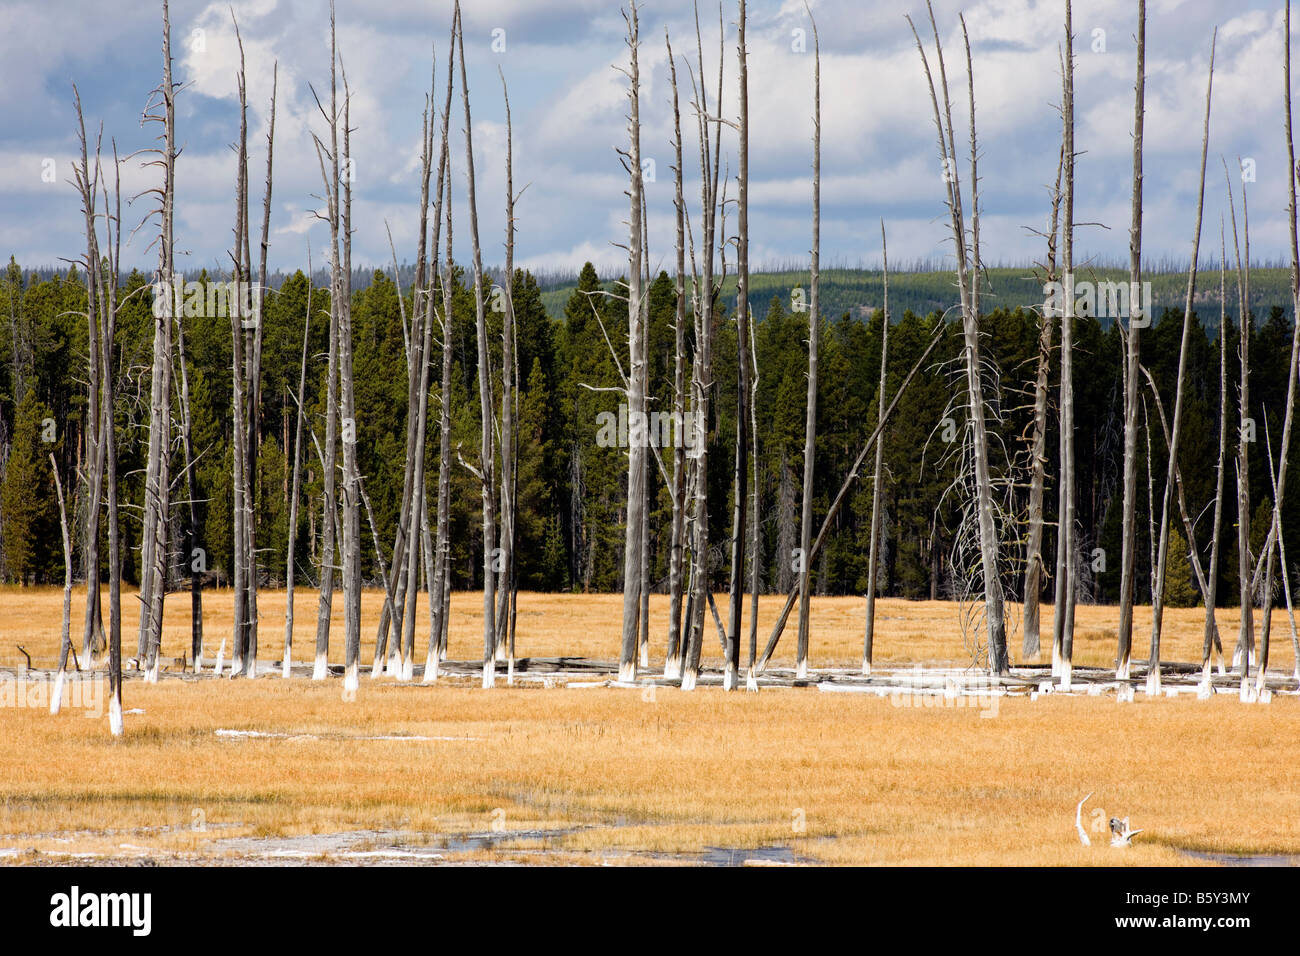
(672, 669)
(1153, 683)
(489, 674)
(751, 681)
(320, 669)
(351, 680)
(56, 699)
(221, 654)
(688, 680)
(627, 673)
(1125, 694)
(431, 668)
(115, 716)
(729, 678)
(801, 671)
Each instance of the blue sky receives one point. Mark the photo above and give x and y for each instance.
(879, 151)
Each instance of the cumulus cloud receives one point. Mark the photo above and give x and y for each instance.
(569, 105)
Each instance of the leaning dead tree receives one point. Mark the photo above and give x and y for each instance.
(854, 471)
(810, 408)
(65, 639)
(1157, 599)
(1244, 653)
(1212, 585)
(153, 532)
(969, 267)
(295, 486)
(873, 554)
(1128, 523)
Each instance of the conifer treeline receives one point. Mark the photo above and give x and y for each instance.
(571, 480)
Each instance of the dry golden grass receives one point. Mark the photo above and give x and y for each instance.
(618, 776)
(566, 625)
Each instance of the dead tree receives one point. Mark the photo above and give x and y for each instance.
(810, 408)
(637, 372)
(1244, 652)
(852, 476)
(1279, 475)
(740, 481)
(1128, 523)
(1157, 600)
(1211, 594)
(1063, 621)
(1032, 643)
(296, 485)
(86, 180)
(394, 612)
(677, 487)
(153, 533)
(509, 396)
(440, 586)
(419, 506)
(486, 471)
(873, 556)
(329, 460)
(968, 271)
(352, 493)
(253, 390)
(702, 371)
(65, 639)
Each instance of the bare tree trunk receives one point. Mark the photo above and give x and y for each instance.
(1211, 596)
(487, 455)
(968, 269)
(352, 492)
(849, 479)
(1157, 600)
(702, 374)
(329, 463)
(87, 183)
(676, 542)
(1063, 621)
(637, 371)
(296, 486)
(153, 544)
(509, 374)
(239, 436)
(810, 407)
(192, 526)
(65, 640)
(1128, 523)
(740, 482)
(440, 580)
(874, 552)
(1279, 480)
(253, 390)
